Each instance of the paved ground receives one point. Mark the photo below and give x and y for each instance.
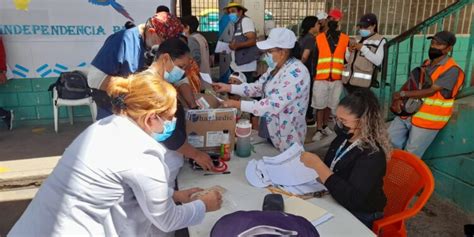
(37, 141)
(439, 218)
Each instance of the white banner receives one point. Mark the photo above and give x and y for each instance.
(53, 36)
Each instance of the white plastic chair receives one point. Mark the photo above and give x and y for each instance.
(57, 102)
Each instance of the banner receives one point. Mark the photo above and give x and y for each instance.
(43, 38)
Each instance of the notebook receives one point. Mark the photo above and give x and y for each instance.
(314, 214)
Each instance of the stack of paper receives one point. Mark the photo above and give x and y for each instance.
(314, 214)
(285, 171)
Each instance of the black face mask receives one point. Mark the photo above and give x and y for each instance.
(332, 25)
(342, 130)
(434, 53)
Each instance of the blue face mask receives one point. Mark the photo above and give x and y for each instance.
(269, 60)
(175, 75)
(233, 17)
(168, 128)
(364, 32)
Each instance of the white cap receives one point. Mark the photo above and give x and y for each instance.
(256, 174)
(278, 38)
(321, 15)
(239, 76)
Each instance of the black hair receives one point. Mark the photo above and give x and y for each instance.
(162, 8)
(373, 130)
(295, 52)
(190, 21)
(129, 24)
(175, 47)
(308, 23)
(361, 101)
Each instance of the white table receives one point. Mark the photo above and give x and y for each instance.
(241, 195)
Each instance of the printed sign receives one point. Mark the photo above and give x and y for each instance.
(44, 37)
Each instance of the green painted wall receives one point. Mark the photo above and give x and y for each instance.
(31, 101)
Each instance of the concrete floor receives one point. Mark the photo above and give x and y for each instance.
(438, 218)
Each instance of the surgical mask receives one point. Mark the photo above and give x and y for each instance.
(342, 130)
(168, 129)
(332, 25)
(364, 32)
(434, 53)
(269, 60)
(233, 17)
(175, 75)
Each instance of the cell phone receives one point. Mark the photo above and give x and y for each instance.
(273, 202)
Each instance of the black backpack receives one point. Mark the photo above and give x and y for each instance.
(72, 85)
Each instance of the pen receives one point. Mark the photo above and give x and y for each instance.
(226, 172)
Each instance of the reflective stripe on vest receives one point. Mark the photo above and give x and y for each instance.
(436, 110)
(330, 65)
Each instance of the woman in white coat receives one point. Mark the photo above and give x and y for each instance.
(117, 159)
(284, 88)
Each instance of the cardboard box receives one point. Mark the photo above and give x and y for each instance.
(205, 127)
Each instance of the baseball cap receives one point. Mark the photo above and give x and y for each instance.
(444, 37)
(321, 15)
(367, 20)
(336, 14)
(256, 174)
(279, 38)
(236, 5)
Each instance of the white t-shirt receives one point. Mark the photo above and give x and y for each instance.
(247, 26)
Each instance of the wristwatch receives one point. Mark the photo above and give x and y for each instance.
(403, 94)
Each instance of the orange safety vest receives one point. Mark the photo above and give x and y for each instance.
(436, 110)
(330, 65)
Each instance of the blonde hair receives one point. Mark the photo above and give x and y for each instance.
(141, 94)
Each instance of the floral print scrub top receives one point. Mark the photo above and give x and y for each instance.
(284, 102)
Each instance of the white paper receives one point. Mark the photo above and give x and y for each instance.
(222, 47)
(314, 214)
(256, 174)
(206, 77)
(303, 189)
(287, 169)
(214, 138)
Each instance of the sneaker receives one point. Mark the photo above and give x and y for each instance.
(310, 123)
(327, 131)
(9, 120)
(318, 136)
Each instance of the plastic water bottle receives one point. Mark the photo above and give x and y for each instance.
(243, 131)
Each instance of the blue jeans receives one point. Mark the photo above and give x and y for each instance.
(415, 140)
(368, 218)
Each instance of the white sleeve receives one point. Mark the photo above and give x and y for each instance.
(377, 57)
(95, 77)
(247, 25)
(150, 187)
(250, 89)
(276, 102)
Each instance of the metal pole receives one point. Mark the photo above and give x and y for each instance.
(423, 46)
(469, 54)
(409, 15)
(403, 11)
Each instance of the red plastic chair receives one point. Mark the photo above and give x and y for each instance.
(406, 176)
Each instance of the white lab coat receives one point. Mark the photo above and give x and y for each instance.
(112, 161)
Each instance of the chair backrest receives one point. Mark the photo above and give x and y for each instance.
(406, 176)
